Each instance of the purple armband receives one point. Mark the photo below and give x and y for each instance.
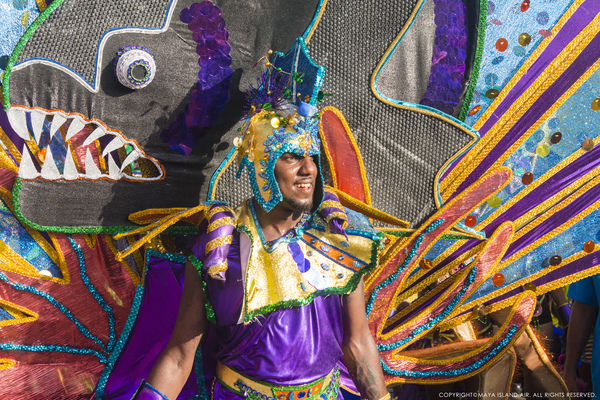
(146, 392)
(563, 313)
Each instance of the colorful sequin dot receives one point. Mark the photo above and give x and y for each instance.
(542, 150)
(470, 221)
(589, 246)
(498, 279)
(524, 39)
(501, 44)
(494, 201)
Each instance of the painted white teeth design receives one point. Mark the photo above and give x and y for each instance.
(49, 169)
(27, 169)
(18, 122)
(70, 172)
(95, 135)
(114, 144)
(57, 121)
(37, 124)
(76, 126)
(40, 121)
(91, 169)
(113, 169)
(131, 157)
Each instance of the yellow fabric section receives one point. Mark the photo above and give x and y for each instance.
(273, 277)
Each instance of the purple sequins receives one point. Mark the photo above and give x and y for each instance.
(449, 54)
(212, 89)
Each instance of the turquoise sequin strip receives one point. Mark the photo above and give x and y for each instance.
(84, 331)
(94, 293)
(432, 321)
(50, 347)
(411, 254)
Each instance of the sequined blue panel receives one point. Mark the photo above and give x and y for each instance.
(506, 20)
(565, 244)
(16, 16)
(575, 120)
(18, 239)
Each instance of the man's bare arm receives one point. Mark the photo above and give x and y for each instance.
(174, 365)
(583, 319)
(360, 352)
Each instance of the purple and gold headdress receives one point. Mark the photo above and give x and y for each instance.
(281, 116)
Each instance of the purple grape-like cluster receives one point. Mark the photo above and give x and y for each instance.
(449, 54)
(269, 94)
(214, 78)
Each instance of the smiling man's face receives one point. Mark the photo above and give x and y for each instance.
(296, 176)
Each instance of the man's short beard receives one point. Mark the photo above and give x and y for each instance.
(299, 206)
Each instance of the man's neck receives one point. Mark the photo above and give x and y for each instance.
(278, 221)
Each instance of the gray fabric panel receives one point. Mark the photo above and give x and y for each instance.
(399, 146)
(402, 149)
(88, 20)
(406, 73)
(141, 115)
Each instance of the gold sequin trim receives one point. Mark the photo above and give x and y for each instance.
(211, 211)
(149, 215)
(156, 229)
(134, 277)
(6, 363)
(5, 161)
(220, 241)
(330, 204)
(103, 167)
(215, 269)
(220, 222)
(21, 314)
(367, 210)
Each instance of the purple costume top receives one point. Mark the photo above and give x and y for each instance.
(285, 347)
(276, 307)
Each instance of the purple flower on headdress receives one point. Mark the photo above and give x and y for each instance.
(269, 93)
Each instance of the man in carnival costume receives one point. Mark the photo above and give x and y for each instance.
(280, 277)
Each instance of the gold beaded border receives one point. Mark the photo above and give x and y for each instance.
(18, 312)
